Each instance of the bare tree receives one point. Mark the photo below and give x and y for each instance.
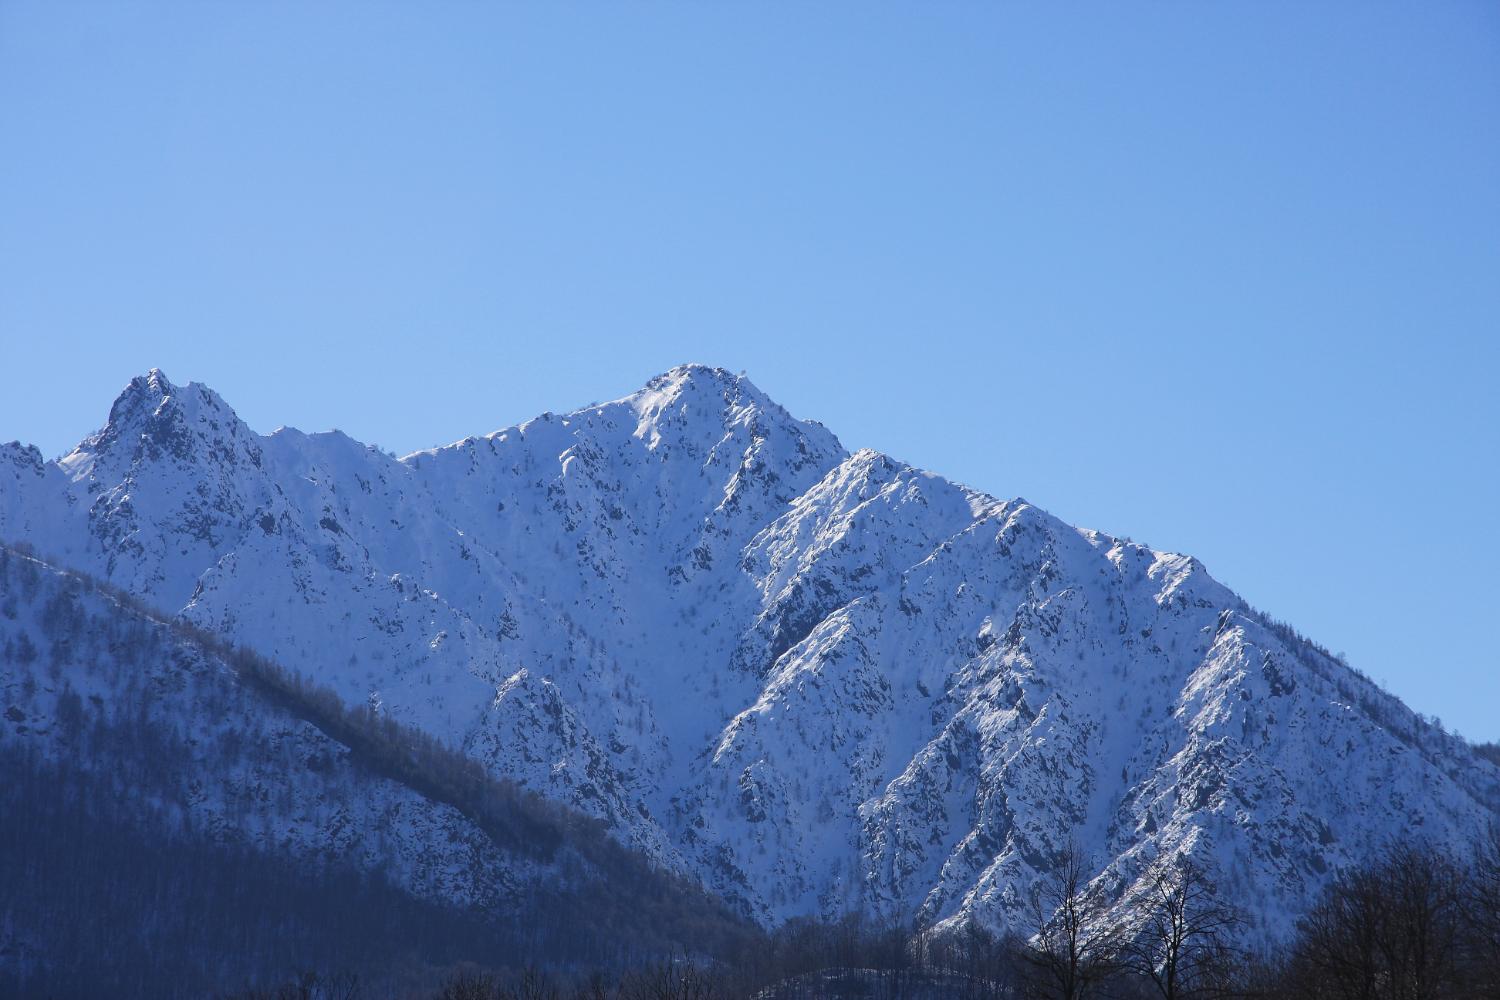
(680, 979)
(1422, 923)
(535, 985)
(1481, 910)
(1184, 942)
(982, 960)
(470, 986)
(597, 986)
(1392, 931)
(1074, 949)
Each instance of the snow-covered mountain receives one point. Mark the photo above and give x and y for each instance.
(816, 681)
(103, 688)
(143, 758)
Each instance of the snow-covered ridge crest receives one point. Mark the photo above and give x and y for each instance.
(814, 680)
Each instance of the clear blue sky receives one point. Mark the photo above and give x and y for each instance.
(1222, 277)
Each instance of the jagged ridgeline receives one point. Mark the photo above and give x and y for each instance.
(813, 681)
(181, 816)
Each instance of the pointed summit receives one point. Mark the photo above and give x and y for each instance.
(140, 398)
(153, 419)
(695, 382)
(694, 374)
(717, 397)
(154, 380)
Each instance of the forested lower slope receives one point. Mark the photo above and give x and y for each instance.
(181, 816)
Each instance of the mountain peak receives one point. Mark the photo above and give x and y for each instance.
(22, 456)
(156, 380)
(707, 384)
(715, 400)
(696, 379)
(697, 370)
(142, 395)
(153, 417)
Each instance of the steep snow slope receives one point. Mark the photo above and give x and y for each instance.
(163, 789)
(813, 680)
(93, 685)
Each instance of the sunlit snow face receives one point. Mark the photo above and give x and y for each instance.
(813, 680)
